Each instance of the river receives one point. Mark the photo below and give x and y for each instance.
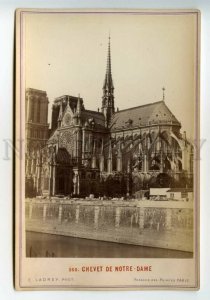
(49, 245)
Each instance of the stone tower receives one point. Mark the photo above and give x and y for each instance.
(36, 114)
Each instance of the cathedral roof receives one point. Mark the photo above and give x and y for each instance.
(144, 115)
(98, 117)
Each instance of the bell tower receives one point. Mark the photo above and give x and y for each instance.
(108, 91)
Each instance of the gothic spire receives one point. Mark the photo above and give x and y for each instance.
(60, 116)
(78, 110)
(163, 89)
(60, 113)
(108, 90)
(108, 83)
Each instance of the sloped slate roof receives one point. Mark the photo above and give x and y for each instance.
(148, 114)
(97, 116)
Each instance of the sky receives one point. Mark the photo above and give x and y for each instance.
(65, 54)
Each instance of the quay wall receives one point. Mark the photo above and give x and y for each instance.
(162, 224)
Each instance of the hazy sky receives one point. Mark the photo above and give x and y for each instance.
(66, 54)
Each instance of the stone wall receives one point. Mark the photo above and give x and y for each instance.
(163, 224)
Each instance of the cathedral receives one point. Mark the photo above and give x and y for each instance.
(110, 153)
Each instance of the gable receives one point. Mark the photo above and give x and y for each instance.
(67, 118)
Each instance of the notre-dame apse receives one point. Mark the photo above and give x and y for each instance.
(110, 152)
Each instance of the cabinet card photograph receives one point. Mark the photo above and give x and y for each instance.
(107, 123)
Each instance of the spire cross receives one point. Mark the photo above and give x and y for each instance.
(163, 89)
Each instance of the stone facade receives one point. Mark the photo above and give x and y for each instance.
(36, 132)
(112, 153)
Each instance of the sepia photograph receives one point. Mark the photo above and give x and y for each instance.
(107, 108)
